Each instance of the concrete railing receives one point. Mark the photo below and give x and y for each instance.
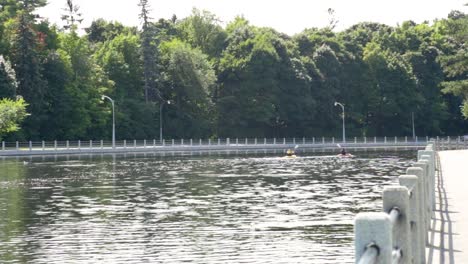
(101, 146)
(399, 233)
(452, 143)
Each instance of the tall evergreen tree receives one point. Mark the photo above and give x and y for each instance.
(72, 15)
(148, 51)
(27, 64)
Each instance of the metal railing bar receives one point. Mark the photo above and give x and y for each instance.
(394, 215)
(397, 254)
(370, 254)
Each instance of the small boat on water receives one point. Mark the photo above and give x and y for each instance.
(290, 154)
(347, 155)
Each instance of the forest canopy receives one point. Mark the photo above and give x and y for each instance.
(237, 80)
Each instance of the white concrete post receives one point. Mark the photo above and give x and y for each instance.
(294, 140)
(425, 189)
(303, 140)
(200, 142)
(264, 141)
(398, 197)
(3, 145)
(144, 143)
(355, 140)
(396, 140)
(333, 140)
(30, 145)
(313, 140)
(191, 142)
(90, 144)
(373, 228)
(125, 144)
(431, 183)
(412, 182)
(237, 141)
(385, 140)
(102, 144)
(154, 143)
(406, 139)
(182, 142)
(134, 143)
(209, 142)
(228, 141)
(323, 140)
(164, 142)
(365, 139)
(375, 139)
(419, 170)
(17, 145)
(274, 141)
(246, 141)
(172, 142)
(68, 144)
(284, 141)
(431, 173)
(43, 145)
(219, 141)
(255, 141)
(79, 144)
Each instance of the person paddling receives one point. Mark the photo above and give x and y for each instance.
(343, 152)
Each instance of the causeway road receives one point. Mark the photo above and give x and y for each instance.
(448, 237)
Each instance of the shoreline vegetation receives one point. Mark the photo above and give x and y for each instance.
(202, 80)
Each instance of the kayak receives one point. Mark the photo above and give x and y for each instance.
(290, 157)
(345, 156)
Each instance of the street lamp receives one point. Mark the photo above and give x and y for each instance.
(161, 119)
(344, 133)
(113, 119)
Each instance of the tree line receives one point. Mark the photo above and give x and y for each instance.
(237, 80)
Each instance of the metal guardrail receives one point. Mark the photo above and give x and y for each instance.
(102, 146)
(399, 233)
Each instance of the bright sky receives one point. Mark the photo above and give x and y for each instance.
(291, 16)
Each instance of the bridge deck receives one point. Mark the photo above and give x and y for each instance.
(448, 237)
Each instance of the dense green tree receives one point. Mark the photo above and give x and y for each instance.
(121, 61)
(101, 30)
(8, 83)
(85, 85)
(202, 30)
(188, 79)
(455, 61)
(395, 89)
(11, 114)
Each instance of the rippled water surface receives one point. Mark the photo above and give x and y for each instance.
(237, 209)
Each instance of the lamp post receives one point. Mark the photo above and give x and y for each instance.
(113, 118)
(344, 131)
(161, 119)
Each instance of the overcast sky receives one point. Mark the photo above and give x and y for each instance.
(291, 16)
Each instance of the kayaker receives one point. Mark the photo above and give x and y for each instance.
(343, 152)
(290, 153)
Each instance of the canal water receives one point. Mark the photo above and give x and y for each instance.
(203, 209)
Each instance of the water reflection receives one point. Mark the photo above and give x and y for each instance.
(242, 209)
